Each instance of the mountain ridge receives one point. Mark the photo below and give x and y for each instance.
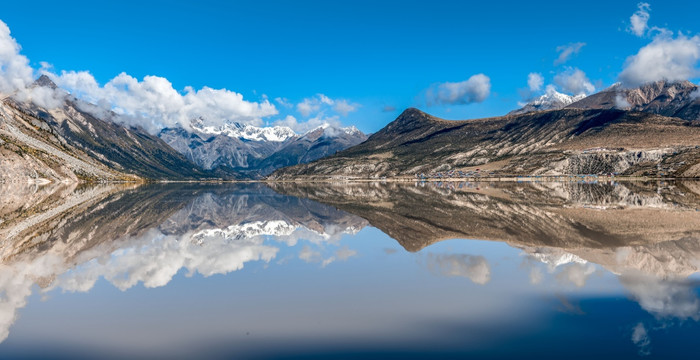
(569, 141)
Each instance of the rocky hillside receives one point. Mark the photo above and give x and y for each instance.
(69, 142)
(33, 151)
(679, 99)
(555, 142)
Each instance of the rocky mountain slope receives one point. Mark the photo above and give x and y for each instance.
(679, 99)
(647, 131)
(555, 142)
(68, 142)
(252, 152)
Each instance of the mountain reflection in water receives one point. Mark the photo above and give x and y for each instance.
(646, 235)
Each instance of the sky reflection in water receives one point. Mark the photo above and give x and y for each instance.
(309, 270)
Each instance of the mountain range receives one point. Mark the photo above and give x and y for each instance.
(648, 131)
(78, 141)
(651, 131)
(253, 152)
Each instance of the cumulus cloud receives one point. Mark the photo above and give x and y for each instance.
(309, 255)
(665, 58)
(17, 77)
(343, 107)
(566, 51)
(475, 268)
(284, 102)
(639, 20)
(324, 104)
(640, 338)
(345, 253)
(154, 104)
(574, 81)
(535, 81)
(473, 90)
(663, 298)
(536, 275)
(576, 274)
(15, 72)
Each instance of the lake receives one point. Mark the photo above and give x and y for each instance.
(350, 270)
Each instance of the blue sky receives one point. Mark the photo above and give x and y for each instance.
(374, 56)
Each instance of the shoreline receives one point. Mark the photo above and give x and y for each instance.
(566, 178)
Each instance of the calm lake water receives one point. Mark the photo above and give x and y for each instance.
(419, 270)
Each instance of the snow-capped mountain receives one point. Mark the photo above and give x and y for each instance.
(252, 152)
(551, 100)
(245, 131)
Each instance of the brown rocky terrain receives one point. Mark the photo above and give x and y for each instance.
(555, 143)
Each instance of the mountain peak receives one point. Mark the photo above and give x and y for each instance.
(246, 131)
(45, 81)
(669, 98)
(550, 100)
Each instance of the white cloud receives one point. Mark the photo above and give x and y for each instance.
(639, 20)
(283, 102)
(576, 273)
(621, 102)
(640, 338)
(566, 51)
(475, 268)
(574, 81)
(15, 72)
(665, 58)
(343, 107)
(322, 103)
(154, 104)
(535, 81)
(345, 253)
(473, 90)
(663, 298)
(309, 255)
(536, 275)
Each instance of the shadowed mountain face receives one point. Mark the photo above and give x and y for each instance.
(558, 142)
(679, 99)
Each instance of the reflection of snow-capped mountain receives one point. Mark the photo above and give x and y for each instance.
(246, 231)
(554, 257)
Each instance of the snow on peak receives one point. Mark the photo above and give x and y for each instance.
(553, 99)
(550, 100)
(245, 131)
(333, 131)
